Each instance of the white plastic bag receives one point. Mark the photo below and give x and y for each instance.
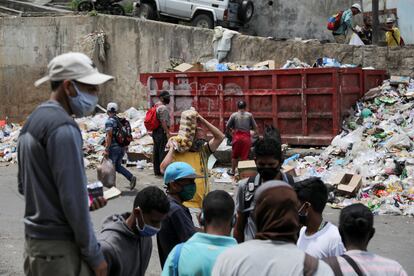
(355, 40)
(106, 173)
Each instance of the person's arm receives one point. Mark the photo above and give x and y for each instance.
(218, 136)
(65, 155)
(241, 217)
(163, 117)
(109, 127)
(254, 125)
(168, 159)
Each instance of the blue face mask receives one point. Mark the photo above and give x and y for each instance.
(83, 104)
(147, 230)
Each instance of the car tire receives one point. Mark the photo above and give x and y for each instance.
(203, 21)
(85, 6)
(117, 9)
(146, 11)
(246, 11)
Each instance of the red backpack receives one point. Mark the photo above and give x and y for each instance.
(335, 21)
(151, 121)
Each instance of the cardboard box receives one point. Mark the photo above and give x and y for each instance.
(269, 63)
(289, 170)
(186, 67)
(348, 184)
(247, 169)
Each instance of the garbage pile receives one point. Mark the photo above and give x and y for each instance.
(93, 134)
(8, 140)
(377, 145)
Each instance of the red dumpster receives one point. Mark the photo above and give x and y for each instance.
(307, 105)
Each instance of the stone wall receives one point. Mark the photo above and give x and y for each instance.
(134, 46)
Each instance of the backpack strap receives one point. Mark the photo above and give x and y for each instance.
(310, 265)
(354, 265)
(249, 191)
(176, 259)
(334, 264)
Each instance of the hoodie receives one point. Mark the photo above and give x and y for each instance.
(126, 252)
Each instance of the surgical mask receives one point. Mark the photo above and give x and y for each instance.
(147, 230)
(83, 104)
(187, 192)
(268, 173)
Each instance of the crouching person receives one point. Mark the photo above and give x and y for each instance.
(126, 238)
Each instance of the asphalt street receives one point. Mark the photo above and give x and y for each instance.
(394, 236)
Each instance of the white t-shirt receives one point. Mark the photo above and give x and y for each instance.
(264, 258)
(325, 243)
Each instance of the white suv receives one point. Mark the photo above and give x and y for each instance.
(201, 13)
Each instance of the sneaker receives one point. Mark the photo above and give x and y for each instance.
(132, 183)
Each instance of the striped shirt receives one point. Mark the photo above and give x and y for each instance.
(370, 264)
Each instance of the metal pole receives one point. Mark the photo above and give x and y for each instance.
(375, 22)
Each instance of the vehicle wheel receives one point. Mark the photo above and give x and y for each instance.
(117, 9)
(146, 11)
(203, 21)
(85, 6)
(246, 11)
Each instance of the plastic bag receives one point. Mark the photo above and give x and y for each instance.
(355, 40)
(106, 173)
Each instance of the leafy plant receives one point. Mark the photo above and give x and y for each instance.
(93, 13)
(128, 7)
(74, 4)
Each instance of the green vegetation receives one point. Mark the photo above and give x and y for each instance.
(128, 7)
(74, 4)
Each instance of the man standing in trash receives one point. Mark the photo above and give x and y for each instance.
(161, 134)
(60, 238)
(197, 157)
(240, 123)
(392, 35)
(113, 150)
(340, 34)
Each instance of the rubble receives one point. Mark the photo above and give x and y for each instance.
(93, 134)
(376, 145)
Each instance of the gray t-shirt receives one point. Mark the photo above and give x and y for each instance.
(250, 228)
(243, 121)
(163, 114)
(263, 258)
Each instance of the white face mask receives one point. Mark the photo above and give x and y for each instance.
(83, 104)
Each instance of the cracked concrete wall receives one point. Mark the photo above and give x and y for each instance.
(295, 18)
(134, 46)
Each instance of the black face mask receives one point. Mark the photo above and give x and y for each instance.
(303, 219)
(166, 100)
(268, 173)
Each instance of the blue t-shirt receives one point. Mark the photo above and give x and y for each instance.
(198, 254)
(112, 124)
(176, 228)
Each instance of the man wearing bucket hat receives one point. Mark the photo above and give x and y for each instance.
(60, 239)
(178, 227)
(346, 23)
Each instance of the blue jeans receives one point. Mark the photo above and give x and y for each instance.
(116, 153)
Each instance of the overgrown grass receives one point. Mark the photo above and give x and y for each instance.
(74, 4)
(128, 7)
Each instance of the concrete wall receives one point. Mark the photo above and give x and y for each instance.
(134, 46)
(295, 18)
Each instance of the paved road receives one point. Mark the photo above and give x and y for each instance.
(394, 235)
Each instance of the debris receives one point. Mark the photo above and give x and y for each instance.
(111, 193)
(246, 168)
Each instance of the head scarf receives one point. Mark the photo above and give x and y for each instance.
(276, 212)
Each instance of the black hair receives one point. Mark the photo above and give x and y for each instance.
(314, 191)
(356, 223)
(152, 198)
(218, 207)
(164, 94)
(241, 104)
(268, 147)
(54, 85)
